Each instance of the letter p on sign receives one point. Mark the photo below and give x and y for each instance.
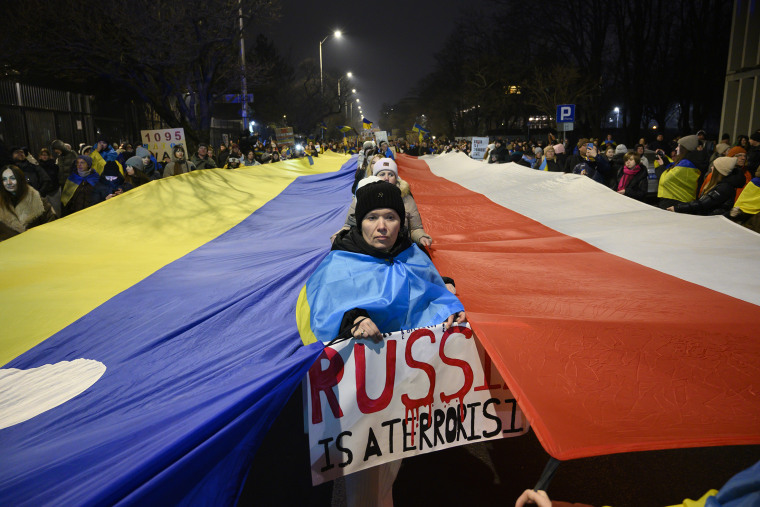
(565, 113)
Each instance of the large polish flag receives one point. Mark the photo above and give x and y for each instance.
(618, 326)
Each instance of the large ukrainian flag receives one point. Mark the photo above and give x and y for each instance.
(148, 342)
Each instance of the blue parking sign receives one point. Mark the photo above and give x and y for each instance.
(566, 113)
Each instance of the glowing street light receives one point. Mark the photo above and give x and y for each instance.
(337, 34)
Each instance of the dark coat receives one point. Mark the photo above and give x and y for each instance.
(719, 200)
(637, 186)
(53, 172)
(110, 181)
(554, 165)
(36, 177)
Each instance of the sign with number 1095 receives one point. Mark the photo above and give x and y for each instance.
(161, 142)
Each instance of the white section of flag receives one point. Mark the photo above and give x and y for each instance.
(710, 251)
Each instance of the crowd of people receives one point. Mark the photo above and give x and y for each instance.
(688, 174)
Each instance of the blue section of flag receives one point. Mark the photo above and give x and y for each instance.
(405, 294)
(200, 356)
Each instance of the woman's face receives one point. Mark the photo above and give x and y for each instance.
(82, 165)
(250, 155)
(130, 170)
(44, 156)
(380, 228)
(610, 153)
(630, 163)
(388, 176)
(549, 154)
(9, 181)
(741, 159)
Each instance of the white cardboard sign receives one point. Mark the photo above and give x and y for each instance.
(415, 392)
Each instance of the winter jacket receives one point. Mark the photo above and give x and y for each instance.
(636, 188)
(679, 182)
(77, 192)
(596, 169)
(53, 171)
(552, 165)
(152, 170)
(206, 162)
(36, 177)
(65, 162)
(109, 182)
(177, 166)
(719, 199)
(29, 212)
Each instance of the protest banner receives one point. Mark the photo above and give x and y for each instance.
(479, 148)
(414, 392)
(381, 136)
(160, 142)
(285, 136)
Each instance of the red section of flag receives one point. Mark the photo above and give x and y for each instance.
(603, 354)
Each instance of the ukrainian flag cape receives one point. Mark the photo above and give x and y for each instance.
(403, 293)
(148, 342)
(749, 199)
(679, 182)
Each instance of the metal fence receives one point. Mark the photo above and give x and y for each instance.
(33, 116)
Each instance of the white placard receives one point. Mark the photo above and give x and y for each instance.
(161, 142)
(479, 148)
(415, 392)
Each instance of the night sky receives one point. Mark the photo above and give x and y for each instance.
(389, 46)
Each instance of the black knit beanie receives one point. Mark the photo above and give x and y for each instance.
(378, 195)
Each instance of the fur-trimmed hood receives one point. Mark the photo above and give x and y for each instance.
(29, 209)
(404, 187)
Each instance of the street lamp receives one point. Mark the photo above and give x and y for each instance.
(337, 34)
(617, 117)
(349, 75)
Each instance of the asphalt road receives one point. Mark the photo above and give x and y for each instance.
(495, 473)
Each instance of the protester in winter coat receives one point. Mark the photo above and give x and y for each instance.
(151, 167)
(232, 163)
(559, 152)
(499, 153)
(65, 160)
(35, 175)
(101, 153)
(753, 153)
(387, 170)
(250, 159)
(550, 162)
(717, 197)
(632, 178)
(109, 185)
(528, 159)
(133, 173)
(746, 210)
(202, 159)
(77, 191)
(48, 165)
(347, 306)
(678, 183)
(21, 206)
(178, 165)
(588, 162)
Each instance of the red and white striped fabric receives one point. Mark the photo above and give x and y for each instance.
(618, 326)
